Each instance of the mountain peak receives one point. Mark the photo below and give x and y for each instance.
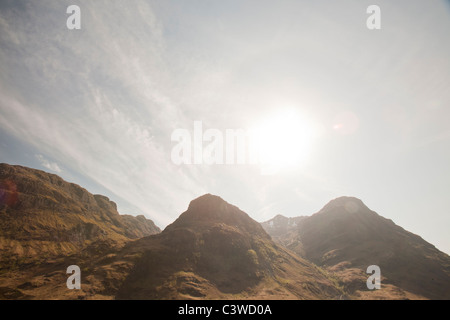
(207, 200)
(210, 210)
(213, 208)
(348, 204)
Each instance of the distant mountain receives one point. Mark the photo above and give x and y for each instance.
(284, 230)
(42, 216)
(346, 237)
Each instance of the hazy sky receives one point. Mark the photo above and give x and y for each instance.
(97, 106)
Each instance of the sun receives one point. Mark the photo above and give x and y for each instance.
(284, 140)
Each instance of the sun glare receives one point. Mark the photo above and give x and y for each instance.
(284, 140)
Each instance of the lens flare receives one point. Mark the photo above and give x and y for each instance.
(8, 193)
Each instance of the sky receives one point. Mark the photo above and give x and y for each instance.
(99, 105)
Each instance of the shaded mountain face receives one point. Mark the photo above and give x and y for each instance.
(41, 216)
(214, 250)
(346, 237)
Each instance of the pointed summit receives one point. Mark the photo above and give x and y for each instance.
(209, 210)
(345, 204)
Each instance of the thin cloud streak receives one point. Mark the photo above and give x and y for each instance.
(53, 166)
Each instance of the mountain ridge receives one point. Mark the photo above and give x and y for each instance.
(213, 250)
(40, 211)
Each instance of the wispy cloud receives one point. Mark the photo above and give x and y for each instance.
(53, 166)
(111, 121)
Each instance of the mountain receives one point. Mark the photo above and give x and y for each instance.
(43, 216)
(345, 237)
(215, 251)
